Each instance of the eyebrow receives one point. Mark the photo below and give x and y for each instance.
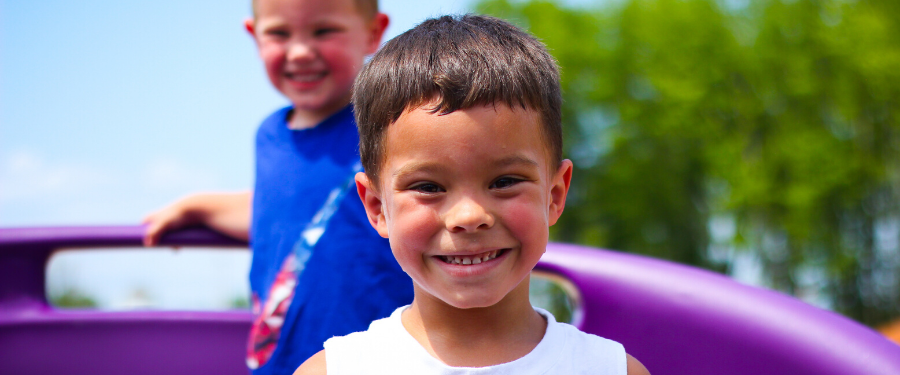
(418, 166)
(433, 167)
(515, 160)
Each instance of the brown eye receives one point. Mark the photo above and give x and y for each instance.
(505, 182)
(277, 34)
(325, 31)
(428, 188)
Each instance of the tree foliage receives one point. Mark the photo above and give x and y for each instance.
(72, 298)
(707, 132)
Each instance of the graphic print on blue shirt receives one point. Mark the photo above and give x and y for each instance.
(266, 328)
(351, 278)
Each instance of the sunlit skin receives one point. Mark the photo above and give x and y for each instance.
(473, 182)
(312, 51)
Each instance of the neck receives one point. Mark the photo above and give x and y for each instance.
(475, 337)
(305, 119)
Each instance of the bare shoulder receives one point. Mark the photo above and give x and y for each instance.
(315, 365)
(635, 367)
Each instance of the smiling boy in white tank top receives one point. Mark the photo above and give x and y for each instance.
(460, 137)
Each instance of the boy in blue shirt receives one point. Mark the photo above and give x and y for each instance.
(461, 141)
(318, 268)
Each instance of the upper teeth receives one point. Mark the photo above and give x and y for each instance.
(306, 77)
(471, 259)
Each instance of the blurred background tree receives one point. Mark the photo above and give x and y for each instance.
(72, 298)
(715, 132)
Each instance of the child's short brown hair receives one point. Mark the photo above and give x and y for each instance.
(458, 62)
(368, 8)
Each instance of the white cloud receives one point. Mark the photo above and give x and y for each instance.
(171, 174)
(26, 176)
(35, 190)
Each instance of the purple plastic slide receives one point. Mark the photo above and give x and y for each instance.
(675, 319)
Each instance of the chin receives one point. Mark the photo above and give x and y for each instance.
(472, 302)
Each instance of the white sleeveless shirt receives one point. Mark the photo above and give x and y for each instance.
(387, 348)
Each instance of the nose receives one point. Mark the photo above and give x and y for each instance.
(300, 50)
(468, 215)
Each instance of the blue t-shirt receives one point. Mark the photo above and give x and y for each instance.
(351, 277)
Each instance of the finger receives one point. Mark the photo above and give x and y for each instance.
(151, 217)
(152, 234)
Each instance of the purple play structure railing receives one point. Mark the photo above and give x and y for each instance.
(675, 319)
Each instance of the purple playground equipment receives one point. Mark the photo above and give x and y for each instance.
(675, 319)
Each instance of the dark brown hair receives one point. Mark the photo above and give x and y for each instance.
(457, 62)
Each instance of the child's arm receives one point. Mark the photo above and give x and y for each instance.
(315, 365)
(635, 367)
(227, 213)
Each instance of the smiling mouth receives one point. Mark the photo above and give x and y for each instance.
(307, 77)
(472, 259)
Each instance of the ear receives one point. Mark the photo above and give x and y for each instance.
(371, 200)
(250, 26)
(559, 189)
(376, 31)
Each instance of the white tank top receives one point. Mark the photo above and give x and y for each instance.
(387, 348)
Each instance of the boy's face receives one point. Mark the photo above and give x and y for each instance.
(466, 200)
(313, 49)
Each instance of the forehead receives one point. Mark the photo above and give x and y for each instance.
(465, 140)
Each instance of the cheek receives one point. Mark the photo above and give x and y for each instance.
(525, 213)
(343, 63)
(416, 226)
(272, 57)
(526, 219)
(410, 236)
(416, 223)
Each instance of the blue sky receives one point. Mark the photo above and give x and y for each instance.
(111, 109)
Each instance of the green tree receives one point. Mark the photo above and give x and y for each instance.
(72, 298)
(777, 120)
